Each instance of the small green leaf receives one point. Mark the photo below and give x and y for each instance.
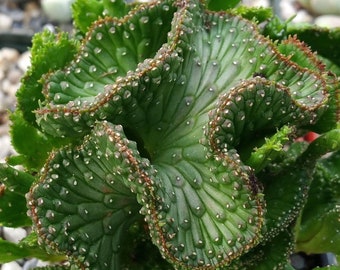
(270, 150)
(49, 52)
(256, 14)
(14, 185)
(318, 231)
(86, 12)
(319, 234)
(10, 251)
(326, 143)
(13, 209)
(276, 29)
(32, 145)
(117, 8)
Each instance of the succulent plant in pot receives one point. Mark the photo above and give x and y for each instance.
(163, 136)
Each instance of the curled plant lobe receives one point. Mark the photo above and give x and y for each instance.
(95, 87)
(111, 50)
(300, 53)
(254, 104)
(81, 206)
(167, 98)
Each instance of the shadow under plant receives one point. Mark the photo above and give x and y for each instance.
(166, 132)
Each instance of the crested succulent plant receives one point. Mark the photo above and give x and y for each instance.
(164, 136)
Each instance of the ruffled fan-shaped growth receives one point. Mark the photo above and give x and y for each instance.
(172, 126)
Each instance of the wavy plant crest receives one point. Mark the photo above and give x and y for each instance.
(169, 124)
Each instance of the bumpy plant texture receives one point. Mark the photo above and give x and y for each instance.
(164, 136)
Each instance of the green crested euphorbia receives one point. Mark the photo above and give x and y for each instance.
(166, 130)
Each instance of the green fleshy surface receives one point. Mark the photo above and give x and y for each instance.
(180, 124)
